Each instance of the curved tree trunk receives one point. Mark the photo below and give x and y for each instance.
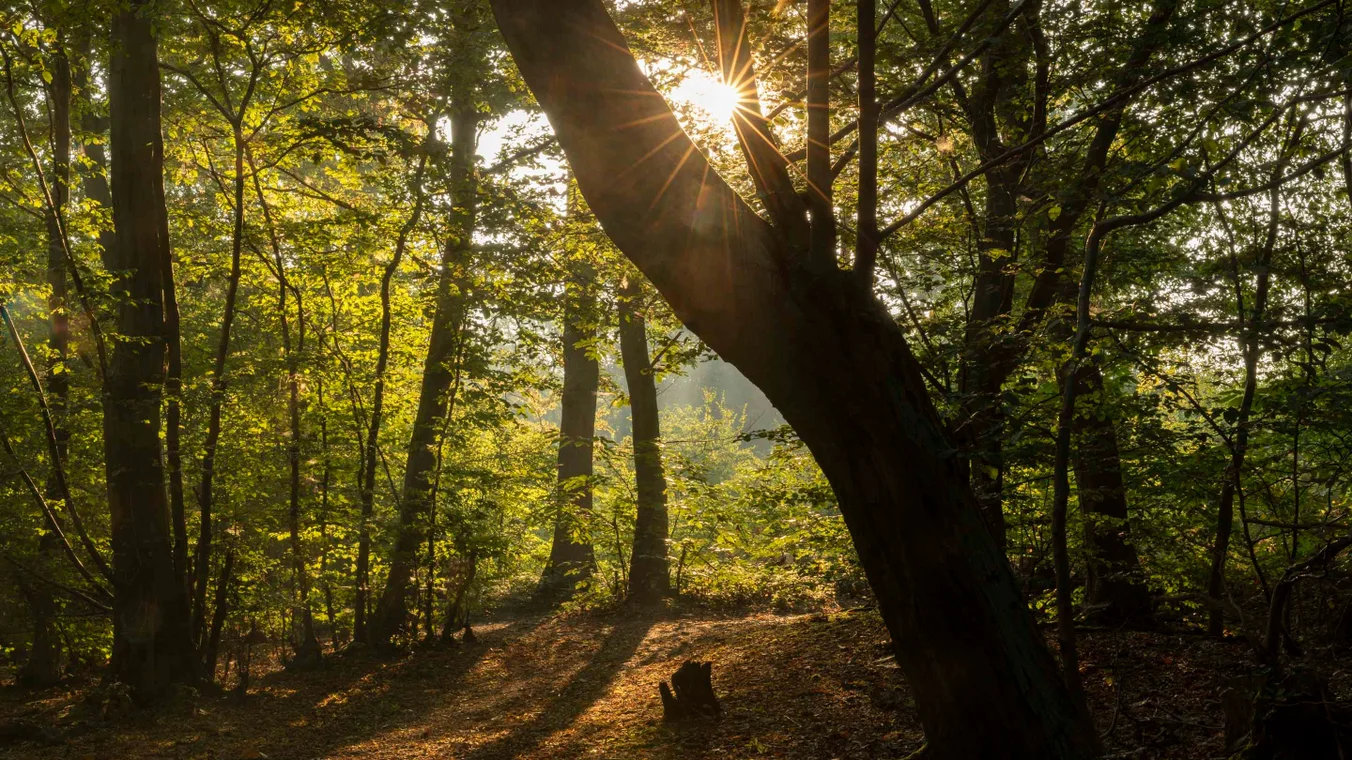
(151, 644)
(835, 364)
(649, 577)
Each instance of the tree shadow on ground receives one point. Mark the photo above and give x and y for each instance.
(587, 686)
(382, 697)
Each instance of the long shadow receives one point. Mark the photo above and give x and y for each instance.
(589, 685)
(395, 696)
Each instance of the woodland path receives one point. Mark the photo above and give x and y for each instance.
(585, 686)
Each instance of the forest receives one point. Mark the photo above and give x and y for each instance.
(931, 379)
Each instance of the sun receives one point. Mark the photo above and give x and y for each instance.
(717, 100)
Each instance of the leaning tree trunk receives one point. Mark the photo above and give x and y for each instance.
(151, 644)
(1115, 590)
(649, 578)
(571, 558)
(44, 660)
(434, 397)
(833, 361)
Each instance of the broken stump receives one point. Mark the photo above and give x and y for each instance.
(691, 694)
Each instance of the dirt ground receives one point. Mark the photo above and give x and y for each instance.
(585, 686)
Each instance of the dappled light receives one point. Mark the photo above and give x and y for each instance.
(670, 380)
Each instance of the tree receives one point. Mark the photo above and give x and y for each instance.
(571, 557)
(649, 577)
(1115, 591)
(434, 395)
(152, 648)
(838, 368)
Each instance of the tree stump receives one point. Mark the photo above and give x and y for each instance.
(691, 694)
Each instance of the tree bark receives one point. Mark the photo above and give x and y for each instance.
(649, 577)
(571, 558)
(152, 648)
(434, 396)
(835, 364)
(1116, 593)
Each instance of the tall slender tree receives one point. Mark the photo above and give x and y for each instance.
(649, 576)
(571, 556)
(434, 395)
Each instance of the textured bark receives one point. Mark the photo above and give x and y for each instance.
(1116, 593)
(151, 644)
(649, 576)
(835, 364)
(439, 370)
(571, 558)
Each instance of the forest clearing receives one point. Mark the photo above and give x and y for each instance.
(901, 379)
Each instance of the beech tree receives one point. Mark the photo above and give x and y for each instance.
(833, 362)
(152, 646)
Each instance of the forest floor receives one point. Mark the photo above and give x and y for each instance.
(585, 686)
